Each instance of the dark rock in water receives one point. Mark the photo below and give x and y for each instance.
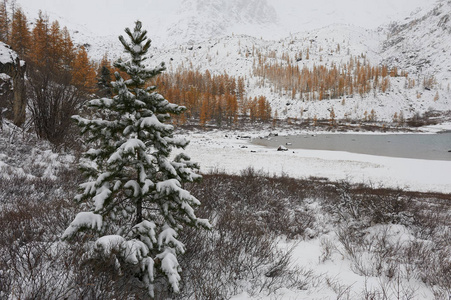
(449, 151)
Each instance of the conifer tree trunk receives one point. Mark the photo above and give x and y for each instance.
(139, 211)
(20, 99)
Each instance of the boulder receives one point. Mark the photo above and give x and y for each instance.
(12, 85)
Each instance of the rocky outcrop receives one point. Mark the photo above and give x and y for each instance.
(13, 100)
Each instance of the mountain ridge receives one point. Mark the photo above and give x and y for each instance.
(408, 44)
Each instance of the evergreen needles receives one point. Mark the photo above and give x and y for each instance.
(134, 197)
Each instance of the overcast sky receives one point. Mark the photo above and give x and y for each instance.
(105, 17)
(102, 17)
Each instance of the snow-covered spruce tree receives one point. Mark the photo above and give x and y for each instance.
(134, 197)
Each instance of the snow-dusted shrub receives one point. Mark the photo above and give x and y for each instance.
(363, 205)
(240, 253)
(30, 255)
(34, 263)
(275, 204)
(394, 235)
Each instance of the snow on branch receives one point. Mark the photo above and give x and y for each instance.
(153, 122)
(132, 184)
(168, 237)
(108, 244)
(83, 220)
(103, 193)
(146, 230)
(170, 266)
(131, 146)
(102, 102)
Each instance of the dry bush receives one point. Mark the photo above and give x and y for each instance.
(34, 263)
(29, 249)
(248, 213)
(53, 99)
(365, 205)
(274, 204)
(426, 216)
(429, 257)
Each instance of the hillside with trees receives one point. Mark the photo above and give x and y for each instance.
(60, 76)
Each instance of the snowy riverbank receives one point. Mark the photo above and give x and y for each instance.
(229, 152)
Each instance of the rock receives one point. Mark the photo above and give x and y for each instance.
(282, 148)
(12, 84)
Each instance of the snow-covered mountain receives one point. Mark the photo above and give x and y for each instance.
(422, 45)
(199, 20)
(179, 21)
(417, 45)
(226, 36)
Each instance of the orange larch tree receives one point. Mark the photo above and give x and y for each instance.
(55, 49)
(4, 23)
(40, 42)
(83, 72)
(67, 48)
(21, 33)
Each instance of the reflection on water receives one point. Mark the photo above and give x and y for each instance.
(420, 146)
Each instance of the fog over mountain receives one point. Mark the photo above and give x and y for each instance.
(199, 20)
(181, 21)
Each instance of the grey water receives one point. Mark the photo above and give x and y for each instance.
(419, 146)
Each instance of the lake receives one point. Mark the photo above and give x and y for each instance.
(418, 146)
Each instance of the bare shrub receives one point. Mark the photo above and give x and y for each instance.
(343, 291)
(248, 213)
(424, 256)
(34, 263)
(273, 203)
(242, 253)
(53, 101)
(216, 262)
(368, 205)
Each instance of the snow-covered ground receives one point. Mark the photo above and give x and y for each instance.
(23, 155)
(334, 277)
(328, 270)
(227, 151)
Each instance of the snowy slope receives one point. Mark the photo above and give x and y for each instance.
(227, 36)
(422, 44)
(310, 15)
(236, 55)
